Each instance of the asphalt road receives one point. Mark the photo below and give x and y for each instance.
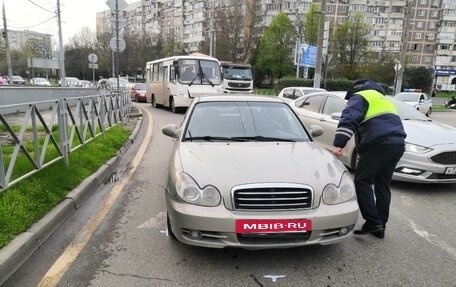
(130, 247)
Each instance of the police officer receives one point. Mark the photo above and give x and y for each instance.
(379, 136)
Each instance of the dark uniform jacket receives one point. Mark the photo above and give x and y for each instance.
(381, 129)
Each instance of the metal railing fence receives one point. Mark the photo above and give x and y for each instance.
(41, 137)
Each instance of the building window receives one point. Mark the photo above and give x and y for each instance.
(418, 36)
(427, 59)
(423, 2)
(416, 58)
(430, 36)
(421, 13)
(435, 13)
(453, 58)
(419, 25)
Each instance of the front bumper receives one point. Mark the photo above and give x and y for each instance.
(418, 168)
(216, 225)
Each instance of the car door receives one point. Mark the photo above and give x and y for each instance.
(424, 103)
(308, 109)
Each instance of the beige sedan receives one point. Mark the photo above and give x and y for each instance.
(245, 172)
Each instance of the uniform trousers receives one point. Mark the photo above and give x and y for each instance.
(373, 175)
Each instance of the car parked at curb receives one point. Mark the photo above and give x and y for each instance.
(42, 82)
(18, 80)
(245, 172)
(289, 94)
(417, 99)
(430, 151)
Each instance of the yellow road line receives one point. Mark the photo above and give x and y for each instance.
(61, 265)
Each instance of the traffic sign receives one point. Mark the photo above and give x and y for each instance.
(93, 66)
(93, 58)
(120, 22)
(121, 4)
(113, 44)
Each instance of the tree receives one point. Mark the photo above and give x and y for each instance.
(350, 47)
(236, 22)
(77, 51)
(312, 22)
(275, 55)
(418, 78)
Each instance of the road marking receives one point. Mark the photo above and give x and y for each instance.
(63, 263)
(274, 277)
(434, 239)
(156, 221)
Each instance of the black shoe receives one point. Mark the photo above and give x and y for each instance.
(379, 234)
(369, 227)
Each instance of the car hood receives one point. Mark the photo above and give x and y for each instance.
(225, 165)
(429, 133)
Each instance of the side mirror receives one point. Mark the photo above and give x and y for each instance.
(176, 67)
(171, 130)
(316, 131)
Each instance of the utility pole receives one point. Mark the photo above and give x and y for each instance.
(321, 30)
(8, 56)
(401, 67)
(61, 51)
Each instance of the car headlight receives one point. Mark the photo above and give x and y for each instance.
(416, 148)
(189, 191)
(333, 194)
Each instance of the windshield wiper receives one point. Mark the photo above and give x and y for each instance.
(214, 138)
(204, 77)
(265, 139)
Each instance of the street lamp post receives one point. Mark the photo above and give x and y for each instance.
(401, 65)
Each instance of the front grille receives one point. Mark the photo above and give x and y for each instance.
(445, 158)
(273, 238)
(272, 198)
(239, 85)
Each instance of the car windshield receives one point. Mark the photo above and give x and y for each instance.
(199, 72)
(140, 86)
(408, 97)
(406, 112)
(40, 80)
(244, 121)
(237, 73)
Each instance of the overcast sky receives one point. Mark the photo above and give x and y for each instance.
(40, 16)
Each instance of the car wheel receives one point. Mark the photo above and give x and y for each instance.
(429, 112)
(172, 106)
(153, 101)
(168, 226)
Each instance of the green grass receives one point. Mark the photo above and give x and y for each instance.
(28, 201)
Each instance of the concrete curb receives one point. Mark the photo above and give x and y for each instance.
(25, 244)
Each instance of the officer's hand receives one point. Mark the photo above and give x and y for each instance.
(337, 151)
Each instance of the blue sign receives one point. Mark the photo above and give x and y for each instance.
(309, 55)
(439, 72)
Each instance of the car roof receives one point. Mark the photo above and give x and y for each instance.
(238, 98)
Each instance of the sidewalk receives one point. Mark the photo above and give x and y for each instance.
(25, 244)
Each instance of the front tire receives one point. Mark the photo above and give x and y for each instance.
(429, 112)
(172, 105)
(153, 101)
(168, 226)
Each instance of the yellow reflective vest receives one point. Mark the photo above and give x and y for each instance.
(378, 104)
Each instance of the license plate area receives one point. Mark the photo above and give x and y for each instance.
(450, 170)
(258, 226)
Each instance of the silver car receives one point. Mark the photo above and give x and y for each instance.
(245, 172)
(289, 94)
(418, 100)
(430, 155)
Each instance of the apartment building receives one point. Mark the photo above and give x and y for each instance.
(19, 39)
(426, 29)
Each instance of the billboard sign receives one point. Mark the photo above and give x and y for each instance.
(309, 55)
